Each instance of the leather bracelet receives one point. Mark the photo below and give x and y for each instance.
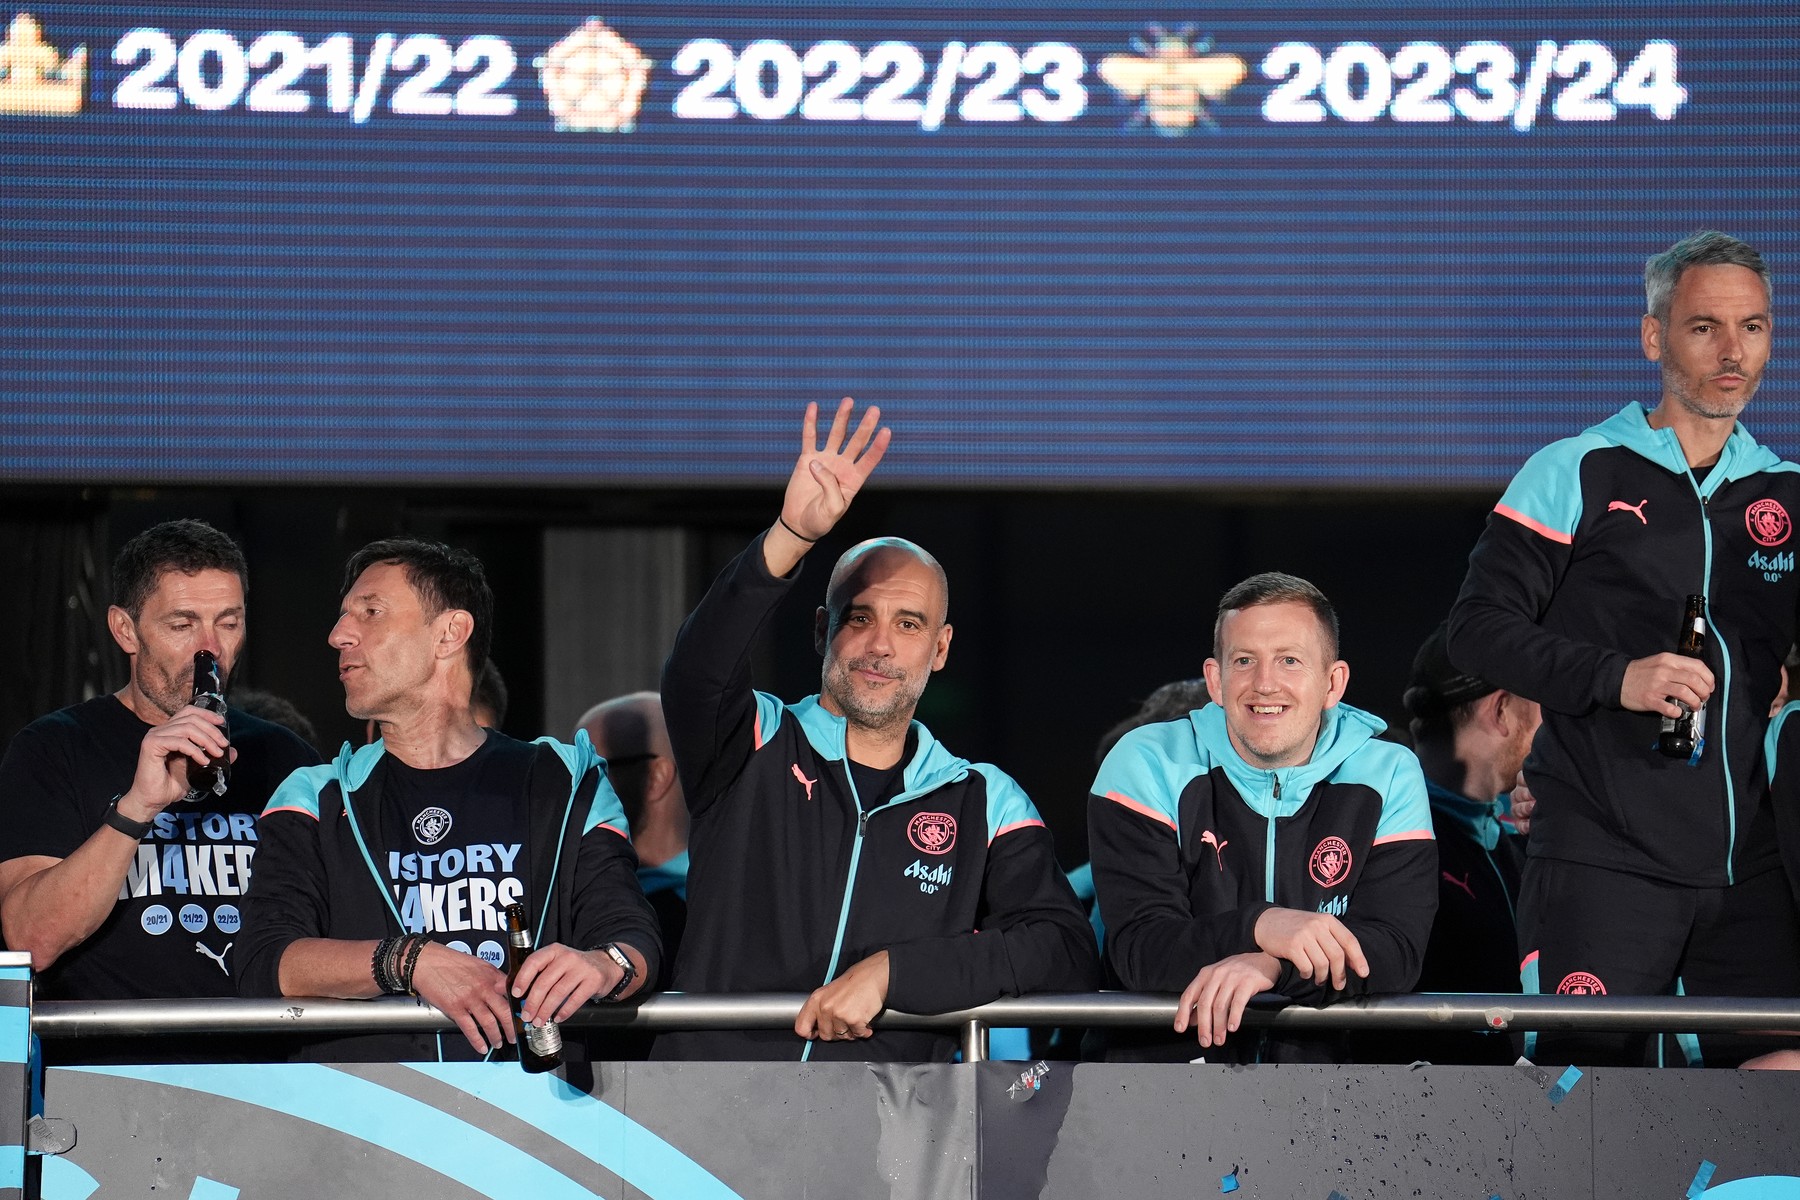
(114, 819)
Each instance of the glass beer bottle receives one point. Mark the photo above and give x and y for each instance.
(540, 1045)
(1685, 736)
(209, 693)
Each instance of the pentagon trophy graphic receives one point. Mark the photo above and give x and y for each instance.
(1172, 78)
(594, 80)
(35, 78)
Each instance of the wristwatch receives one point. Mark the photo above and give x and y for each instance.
(135, 830)
(612, 951)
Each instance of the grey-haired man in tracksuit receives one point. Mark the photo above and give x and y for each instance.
(1646, 874)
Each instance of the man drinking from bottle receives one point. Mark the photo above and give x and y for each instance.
(117, 888)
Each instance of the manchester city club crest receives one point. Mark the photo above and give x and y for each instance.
(933, 833)
(1330, 863)
(431, 826)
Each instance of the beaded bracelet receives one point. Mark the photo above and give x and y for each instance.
(412, 960)
(378, 966)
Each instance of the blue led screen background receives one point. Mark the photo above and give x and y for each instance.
(1063, 245)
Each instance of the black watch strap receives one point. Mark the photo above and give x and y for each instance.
(612, 951)
(135, 830)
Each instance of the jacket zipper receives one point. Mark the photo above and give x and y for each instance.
(1724, 690)
(1269, 854)
(856, 845)
(1505, 891)
(1262, 1036)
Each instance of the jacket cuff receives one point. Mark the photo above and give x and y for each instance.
(1295, 986)
(759, 568)
(1248, 915)
(908, 976)
(648, 946)
(1609, 679)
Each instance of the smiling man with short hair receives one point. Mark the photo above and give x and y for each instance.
(1265, 842)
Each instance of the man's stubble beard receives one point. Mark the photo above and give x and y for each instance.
(169, 694)
(841, 687)
(1679, 386)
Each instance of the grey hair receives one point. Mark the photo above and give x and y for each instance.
(1706, 248)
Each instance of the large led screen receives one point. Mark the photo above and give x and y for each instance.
(1238, 246)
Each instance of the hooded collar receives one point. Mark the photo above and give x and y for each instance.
(1479, 819)
(1742, 455)
(930, 767)
(353, 765)
(670, 876)
(1343, 730)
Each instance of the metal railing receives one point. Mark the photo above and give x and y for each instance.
(674, 1010)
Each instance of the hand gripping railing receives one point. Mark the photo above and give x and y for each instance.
(674, 1010)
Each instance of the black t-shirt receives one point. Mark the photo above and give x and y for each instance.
(875, 786)
(171, 932)
(460, 834)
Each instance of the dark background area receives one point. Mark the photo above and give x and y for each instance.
(1069, 608)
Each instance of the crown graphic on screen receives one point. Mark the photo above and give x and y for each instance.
(34, 76)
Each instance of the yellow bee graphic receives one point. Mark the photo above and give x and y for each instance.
(1173, 77)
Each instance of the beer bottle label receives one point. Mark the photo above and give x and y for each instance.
(544, 1040)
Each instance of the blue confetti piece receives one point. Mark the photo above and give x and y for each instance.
(1559, 1091)
(1702, 1177)
(1337, 1195)
(1228, 1183)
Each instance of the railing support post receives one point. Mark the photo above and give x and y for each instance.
(974, 1041)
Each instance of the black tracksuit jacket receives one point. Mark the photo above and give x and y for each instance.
(1191, 845)
(791, 880)
(1585, 565)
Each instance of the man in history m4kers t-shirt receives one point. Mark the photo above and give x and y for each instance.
(380, 867)
(456, 853)
(172, 931)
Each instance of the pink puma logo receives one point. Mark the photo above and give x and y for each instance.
(1636, 510)
(1462, 883)
(1209, 839)
(803, 779)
